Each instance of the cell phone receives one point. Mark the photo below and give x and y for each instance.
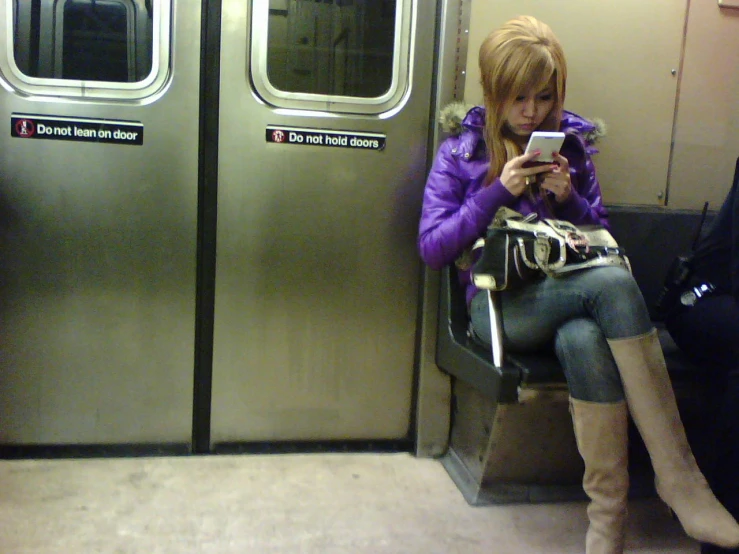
(547, 142)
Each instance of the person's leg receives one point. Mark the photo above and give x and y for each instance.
(607, 295)
(653, 408)
(709, 334)
(611, 297)
(591, 372)
(727, 464)
(600, 420)
(602, 440)
(533, 314)
(725, 473)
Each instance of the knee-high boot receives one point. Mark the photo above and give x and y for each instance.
(601, 434)
(653, 407)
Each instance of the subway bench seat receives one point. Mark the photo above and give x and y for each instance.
(511, 438)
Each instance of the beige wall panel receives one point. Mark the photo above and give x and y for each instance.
(707, 128)
(620, 55)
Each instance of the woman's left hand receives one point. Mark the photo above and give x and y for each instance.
(558, 181)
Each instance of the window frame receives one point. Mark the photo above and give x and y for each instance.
(400, 82)
(51, 11)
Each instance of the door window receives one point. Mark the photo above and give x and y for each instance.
(88, 47)
(341, 55)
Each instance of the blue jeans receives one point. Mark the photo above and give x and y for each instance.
(575, 315)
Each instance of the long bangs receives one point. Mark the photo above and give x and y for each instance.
(536, 67)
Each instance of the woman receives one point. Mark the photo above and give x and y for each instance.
(596, 319)
(706, 328)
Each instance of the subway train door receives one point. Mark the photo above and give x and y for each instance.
(98, 221)
(324, 124)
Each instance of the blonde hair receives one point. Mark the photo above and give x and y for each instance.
(521, 56)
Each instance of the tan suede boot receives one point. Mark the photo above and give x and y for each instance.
(653, 407)
(601, 434)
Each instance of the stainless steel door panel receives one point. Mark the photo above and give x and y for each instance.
(317, 268)
(98, 270)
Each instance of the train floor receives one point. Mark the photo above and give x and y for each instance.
(292, 503)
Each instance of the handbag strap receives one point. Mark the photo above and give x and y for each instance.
(545, 237)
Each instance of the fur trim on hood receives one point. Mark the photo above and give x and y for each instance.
(599, 130)
(453, 114)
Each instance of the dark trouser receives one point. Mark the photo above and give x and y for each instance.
(709, 334)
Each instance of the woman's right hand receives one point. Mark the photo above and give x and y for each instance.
(514, 176)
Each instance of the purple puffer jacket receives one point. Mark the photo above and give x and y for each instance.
(457, 208)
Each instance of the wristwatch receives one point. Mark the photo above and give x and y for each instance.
(688, 298)
(691, 296)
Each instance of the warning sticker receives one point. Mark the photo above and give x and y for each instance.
(326, 137)
(76, 129)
